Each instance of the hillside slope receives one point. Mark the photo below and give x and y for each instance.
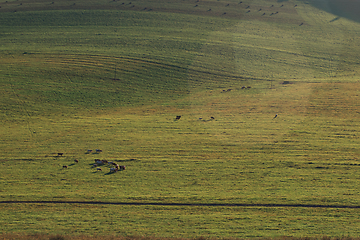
(267, 98)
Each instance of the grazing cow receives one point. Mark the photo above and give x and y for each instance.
(275, 116)
(247, 7)
(95, 165)
(178, 117)
(243, 87)
(240, 2)
(301, 24)
(60, 154)
(113, 169)
(248, 11)
(98, 169)
(122, 168)
(295, 6)
(212, 118)
(100, 162)
(76, 161)
(248, 87)
(263, 14)
(89, 150)
(98, 150)
(65, 166)
(282, 5)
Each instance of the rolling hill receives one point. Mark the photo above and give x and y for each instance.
(114, 75)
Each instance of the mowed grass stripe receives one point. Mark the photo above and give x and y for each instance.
(109, 63)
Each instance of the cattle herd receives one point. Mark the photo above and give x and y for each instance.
(249, 9)
(114, 167)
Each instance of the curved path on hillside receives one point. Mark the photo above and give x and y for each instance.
(270, 205)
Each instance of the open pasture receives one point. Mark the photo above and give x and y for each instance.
(111, 76)
(177, 222)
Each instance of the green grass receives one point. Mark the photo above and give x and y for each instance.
(176, 222)
(59, 95)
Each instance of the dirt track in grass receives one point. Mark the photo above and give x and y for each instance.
(264, 205)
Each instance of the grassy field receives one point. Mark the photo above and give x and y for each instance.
(113, 75)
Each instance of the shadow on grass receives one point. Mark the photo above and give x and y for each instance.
(127, 160)
(342, 8)
(24, 159)
(98, 172)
